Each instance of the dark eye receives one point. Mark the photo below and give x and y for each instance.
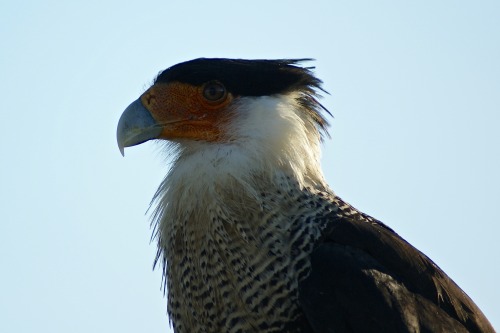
(214, 91)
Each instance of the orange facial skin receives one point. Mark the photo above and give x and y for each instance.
(184, 112)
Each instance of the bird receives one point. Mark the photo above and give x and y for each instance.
(250, 236)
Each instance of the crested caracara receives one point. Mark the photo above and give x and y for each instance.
(250, 236)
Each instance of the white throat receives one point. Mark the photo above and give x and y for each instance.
(268, 134)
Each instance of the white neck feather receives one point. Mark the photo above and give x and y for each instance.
(272, 137)
(268, 134)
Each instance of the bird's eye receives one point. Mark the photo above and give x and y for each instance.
(214, 91)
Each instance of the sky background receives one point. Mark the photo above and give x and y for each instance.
(414, 89)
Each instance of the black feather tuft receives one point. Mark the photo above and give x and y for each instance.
(244, 77)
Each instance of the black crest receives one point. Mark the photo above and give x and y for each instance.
(245, 77)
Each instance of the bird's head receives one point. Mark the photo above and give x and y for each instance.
(202, 99)
(264, 107)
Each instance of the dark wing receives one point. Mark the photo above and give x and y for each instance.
(366, 278)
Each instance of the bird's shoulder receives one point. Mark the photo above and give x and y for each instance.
(359, 260)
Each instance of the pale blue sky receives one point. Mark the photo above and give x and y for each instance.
(415, 141)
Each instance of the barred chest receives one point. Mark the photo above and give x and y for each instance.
(235, 267)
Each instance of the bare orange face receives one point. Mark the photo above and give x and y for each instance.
(189, 112)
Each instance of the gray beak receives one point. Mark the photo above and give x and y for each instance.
(136, 125)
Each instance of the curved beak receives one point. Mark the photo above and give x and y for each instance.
(136, 125)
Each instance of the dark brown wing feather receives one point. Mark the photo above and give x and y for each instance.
(366, 278)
